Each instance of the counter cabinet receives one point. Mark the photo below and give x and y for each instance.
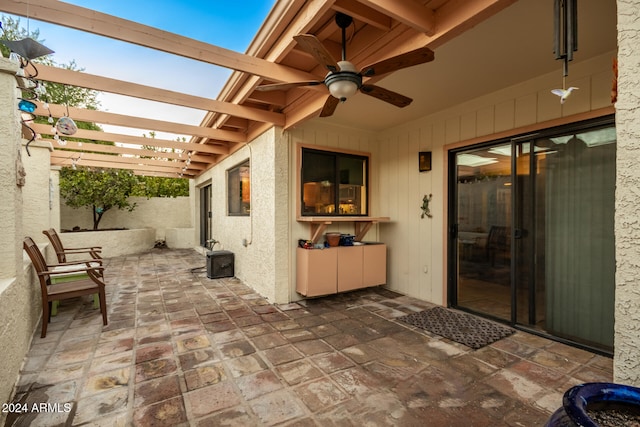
(339, 269)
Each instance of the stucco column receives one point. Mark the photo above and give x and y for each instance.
(10, 192)
(627, 313)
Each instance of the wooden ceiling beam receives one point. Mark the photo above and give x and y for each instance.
(238, 87)
(120, 87)
(408, 12)
(102, 117)
(275, 98)
(453, 18)
(91, 21)
(136, 140)
(361, 12)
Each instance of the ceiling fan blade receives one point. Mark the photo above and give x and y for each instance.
(287, 86)
(329, 106)
(310, 44)
(404, 60)
(386, 95)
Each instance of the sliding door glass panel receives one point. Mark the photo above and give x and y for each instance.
(576, 188)
(483, 242)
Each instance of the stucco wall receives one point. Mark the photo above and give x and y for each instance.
(325, 136)
(262, 263)
(37, 190)
(417, 246)
(159, 213)
(627, 315)
(18, 313)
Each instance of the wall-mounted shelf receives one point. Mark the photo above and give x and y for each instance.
(361, 224)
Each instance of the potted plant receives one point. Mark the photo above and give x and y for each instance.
(598, 404)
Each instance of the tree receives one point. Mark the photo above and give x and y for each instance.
(100, 189)
(157, 186)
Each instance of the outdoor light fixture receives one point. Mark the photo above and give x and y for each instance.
(344, 83)
(27, 48)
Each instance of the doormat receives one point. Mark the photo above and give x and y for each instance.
(467, 329)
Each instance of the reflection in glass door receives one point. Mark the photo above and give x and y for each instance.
(532, 232)
(205, 215)
(483, 218)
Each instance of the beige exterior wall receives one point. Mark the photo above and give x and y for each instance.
(627, 315)
(262, 263)
(417, 253)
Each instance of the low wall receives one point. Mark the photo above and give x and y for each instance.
(180, 238)
(159, 213)
(113, 242)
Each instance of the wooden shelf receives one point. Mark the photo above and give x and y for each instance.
(361, 224)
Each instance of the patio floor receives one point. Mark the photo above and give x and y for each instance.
(182, 349)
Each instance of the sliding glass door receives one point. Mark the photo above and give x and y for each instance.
(532, 232)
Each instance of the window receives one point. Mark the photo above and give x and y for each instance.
(239, 189)
(334, 183)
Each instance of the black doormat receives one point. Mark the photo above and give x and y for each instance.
(467, 329)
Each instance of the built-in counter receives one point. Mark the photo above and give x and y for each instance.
(361, 224)
(343, 268)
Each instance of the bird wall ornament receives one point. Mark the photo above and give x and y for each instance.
(563, 93)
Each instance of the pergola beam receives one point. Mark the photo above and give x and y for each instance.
(91, 21)
(120, 87)
(102, 117)
(89, 147)
(142, 168)
(136, 140)
(129, 160)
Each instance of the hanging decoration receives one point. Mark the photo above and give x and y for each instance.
(65, 124)
(25, 51)
(565, 40)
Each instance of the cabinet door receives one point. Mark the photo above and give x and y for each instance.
(349, 268)
(374, 271)
(316, 271)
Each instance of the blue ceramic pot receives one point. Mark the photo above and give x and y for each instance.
(576, 400)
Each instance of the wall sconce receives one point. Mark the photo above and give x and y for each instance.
(424, 161)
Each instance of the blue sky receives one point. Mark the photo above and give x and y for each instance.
(230, 24)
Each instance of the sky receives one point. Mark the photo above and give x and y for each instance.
(230, 24)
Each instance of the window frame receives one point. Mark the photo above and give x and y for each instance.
(230, 192)
(337, 153)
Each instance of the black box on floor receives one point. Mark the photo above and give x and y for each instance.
(220, 264)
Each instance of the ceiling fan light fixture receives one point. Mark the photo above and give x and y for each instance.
(344, 83)
(343, 89)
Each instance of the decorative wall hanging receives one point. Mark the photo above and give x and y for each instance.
(565, 40)
(426, 210)
(424, 161)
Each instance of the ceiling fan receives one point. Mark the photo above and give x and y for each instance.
(343, 80)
